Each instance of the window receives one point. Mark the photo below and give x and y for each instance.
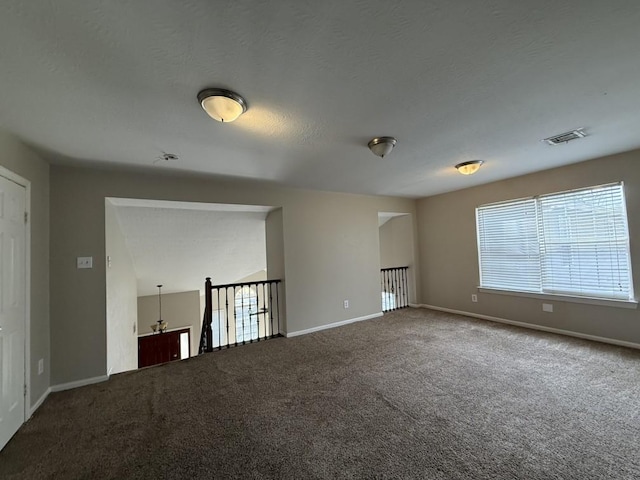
(572, 243)
(246, 313)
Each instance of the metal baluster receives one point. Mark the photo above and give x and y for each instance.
(397, 273)
(395, 288)
(270, 310)
(392, 276)
(219, 326)
(278, 306)
(226, 299)
(382, 288)
(406, 287)
(257, 314)
(235, 310)
(401, 286)
(264, 312)
(388, 290)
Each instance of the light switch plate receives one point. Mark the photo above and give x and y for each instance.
(85, 262)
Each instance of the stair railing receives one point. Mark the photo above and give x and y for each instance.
(240, 313)
(395, 291)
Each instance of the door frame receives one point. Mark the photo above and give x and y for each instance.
(23, 182)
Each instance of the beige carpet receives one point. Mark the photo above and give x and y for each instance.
(415, 394)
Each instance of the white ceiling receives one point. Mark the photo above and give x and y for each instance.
(116, 82)
(179, 247)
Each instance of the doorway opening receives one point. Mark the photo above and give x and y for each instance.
(397, 260)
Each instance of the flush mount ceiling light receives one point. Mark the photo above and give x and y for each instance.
(222, 105)
(470, 167)
(381, 146)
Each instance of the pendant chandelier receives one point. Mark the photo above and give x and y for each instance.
(160, 326)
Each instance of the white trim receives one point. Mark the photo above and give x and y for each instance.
(23, 182)
(332, 325)
(79, 383)
(533, 326)
(631, 304)
(39, 402)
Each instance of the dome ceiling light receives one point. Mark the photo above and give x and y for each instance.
(222, 105)
(470, 167)
(381, 146)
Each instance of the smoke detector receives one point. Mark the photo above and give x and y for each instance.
(566, 137)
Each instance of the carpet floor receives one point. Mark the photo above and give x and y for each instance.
(413, 394)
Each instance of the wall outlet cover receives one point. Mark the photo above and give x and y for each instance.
(346, 304)
(84, 262)
(547, 307)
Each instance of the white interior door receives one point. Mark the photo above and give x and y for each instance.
(12, 307)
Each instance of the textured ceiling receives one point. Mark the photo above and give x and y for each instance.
(180, 247)
(117, 81)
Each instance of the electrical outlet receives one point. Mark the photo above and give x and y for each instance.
(84, 262)
(40, 366)
(474, 298)
(346, 304)
(547, 307)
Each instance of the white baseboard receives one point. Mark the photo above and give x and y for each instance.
(40, 401)
(79, 383)
(332, 325)
(533, 326)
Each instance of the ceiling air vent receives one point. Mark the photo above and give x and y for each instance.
(566, 137)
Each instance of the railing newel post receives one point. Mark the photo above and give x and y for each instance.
(208, 314)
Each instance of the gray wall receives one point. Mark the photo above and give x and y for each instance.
(22, 161)
(276, 262)
(449, 255)
(330, 243)
(122, 299)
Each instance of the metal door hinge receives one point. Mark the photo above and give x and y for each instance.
(26, 217)
(25, 390)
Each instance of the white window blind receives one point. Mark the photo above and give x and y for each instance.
(571, 243)
(508, 244)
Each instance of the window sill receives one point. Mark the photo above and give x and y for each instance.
(631, 304)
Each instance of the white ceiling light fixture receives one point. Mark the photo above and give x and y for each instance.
(381, 146)
(222, 105)
(470, 167)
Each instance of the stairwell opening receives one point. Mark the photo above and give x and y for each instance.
(178, 245)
